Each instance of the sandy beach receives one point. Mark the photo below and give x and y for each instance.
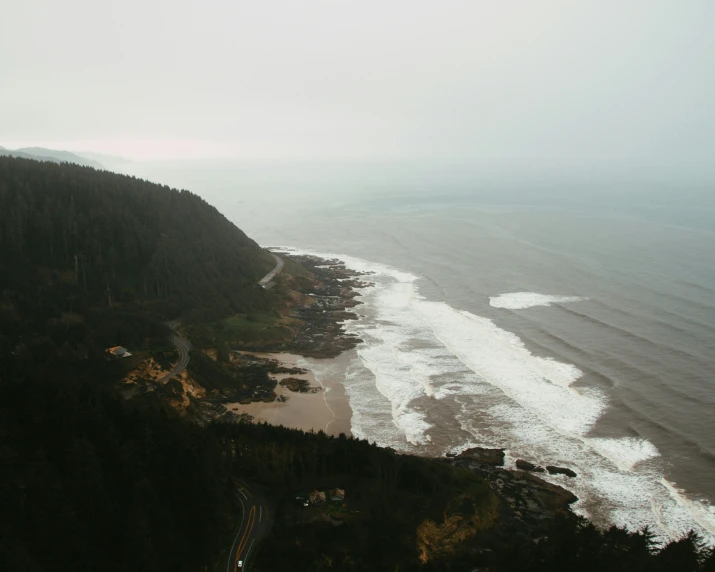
(328, 409)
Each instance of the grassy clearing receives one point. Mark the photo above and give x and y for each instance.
(246, 330)
(257, 327)
(295, 269)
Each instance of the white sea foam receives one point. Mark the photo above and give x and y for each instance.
(500, 358)
(703, 512)
(624, 452)
(418, 352)
(607, 494)
(522, 300)
(400, 375)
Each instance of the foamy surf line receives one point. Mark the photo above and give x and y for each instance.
(523, 300)
(417, 352)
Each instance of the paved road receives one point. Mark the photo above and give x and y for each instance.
(255, 523)
(265, 282)
(183, 347)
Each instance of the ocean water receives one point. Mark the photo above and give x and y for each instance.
(571, 324)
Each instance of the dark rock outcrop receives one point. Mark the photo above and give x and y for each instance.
(493, 457)
(528, 504)
(560, 471)
(331, 294)
(527, 466)
(298, 385)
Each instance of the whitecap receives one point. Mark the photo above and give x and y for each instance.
(701, 511)
(522, 300)
(500, 358)
(624, 452)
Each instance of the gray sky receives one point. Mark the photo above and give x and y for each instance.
(318, 78)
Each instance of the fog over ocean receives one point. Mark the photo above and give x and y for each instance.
(571, 323)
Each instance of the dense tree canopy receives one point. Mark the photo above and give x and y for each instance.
(89, 481)
(85, 251)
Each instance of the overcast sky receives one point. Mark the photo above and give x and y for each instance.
(338, 78)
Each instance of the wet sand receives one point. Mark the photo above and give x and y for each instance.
(327, 410)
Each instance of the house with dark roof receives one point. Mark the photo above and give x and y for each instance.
(317, 497)
(336, 495)
(117, 352)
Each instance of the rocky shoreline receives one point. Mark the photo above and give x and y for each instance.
(331, 297)
(323, 300)
(321, 305)
(298, 385)
(320, 297)
(528, 504)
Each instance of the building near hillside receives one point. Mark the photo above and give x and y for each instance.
(337, 495)
(117, 352)
(317, 497)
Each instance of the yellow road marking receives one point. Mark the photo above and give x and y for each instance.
(246, 533)
(244, 488)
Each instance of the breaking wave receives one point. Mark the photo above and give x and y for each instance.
(522, 300)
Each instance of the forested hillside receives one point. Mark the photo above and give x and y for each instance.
(90, 482)
(92, 253)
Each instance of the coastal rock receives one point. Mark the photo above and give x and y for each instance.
(298, 385)
(528, 504)
(551, 498)
(560, 471)
(527, 466)
(493, 457)
(321, 313)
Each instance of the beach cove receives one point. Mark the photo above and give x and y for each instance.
(325, 407)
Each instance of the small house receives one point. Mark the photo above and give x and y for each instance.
(117, 352)
(337, 495)
(317, 497)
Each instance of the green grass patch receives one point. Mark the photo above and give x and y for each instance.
(295, 269)
(256, 328)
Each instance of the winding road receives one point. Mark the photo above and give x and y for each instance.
(183, 347)
(255, 523)
(266, 281)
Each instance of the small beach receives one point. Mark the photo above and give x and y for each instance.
(327, 409)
